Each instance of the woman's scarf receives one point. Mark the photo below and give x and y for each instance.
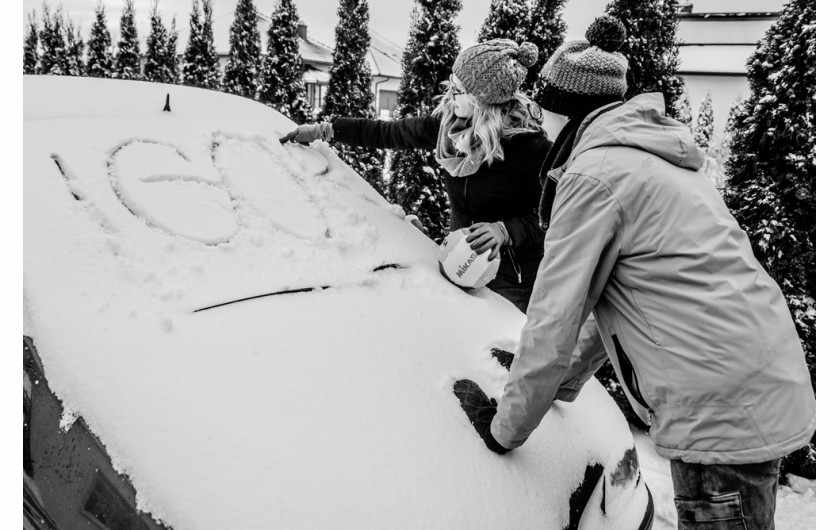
(556, 157)
(453, 161)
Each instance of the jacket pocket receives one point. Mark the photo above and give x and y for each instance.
(629, 374)
(717, 512)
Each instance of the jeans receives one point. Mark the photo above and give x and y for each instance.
(719, 497)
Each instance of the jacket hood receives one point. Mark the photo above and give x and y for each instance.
(641, 123)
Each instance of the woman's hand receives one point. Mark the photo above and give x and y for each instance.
(309, 133)
(487, 236)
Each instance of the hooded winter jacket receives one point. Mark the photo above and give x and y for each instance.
(699, 334)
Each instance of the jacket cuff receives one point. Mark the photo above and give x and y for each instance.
(496, 432)
(326, 131)
(505, 233)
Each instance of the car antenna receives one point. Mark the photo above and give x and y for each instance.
(166, 107)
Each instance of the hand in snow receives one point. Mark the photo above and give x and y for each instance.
(480, 411)
(309, 133)
(487, 236)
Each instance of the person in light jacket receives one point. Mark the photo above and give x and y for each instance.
(487, 136)
(699, 334)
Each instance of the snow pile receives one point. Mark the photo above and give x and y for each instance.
(328, 406)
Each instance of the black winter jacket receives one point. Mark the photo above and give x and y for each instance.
(508, 190)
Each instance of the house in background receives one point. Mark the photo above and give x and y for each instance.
(317, 60)
(383, 58)
(718, 37)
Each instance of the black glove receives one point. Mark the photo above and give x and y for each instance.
(480, 411)
(505, 358)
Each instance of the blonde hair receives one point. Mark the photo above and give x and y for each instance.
(489, 124)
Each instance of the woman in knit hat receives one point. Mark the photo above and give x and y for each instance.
(486, 134)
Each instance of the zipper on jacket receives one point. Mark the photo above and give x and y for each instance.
(466, 187)
(516, 266)
(629, 374)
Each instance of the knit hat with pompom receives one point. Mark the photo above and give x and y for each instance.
(494, 70)
(586, 74)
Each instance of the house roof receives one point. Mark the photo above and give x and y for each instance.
(764, 15)
(718, 36)
(384, 57)
(731, 7)
(715, 60)
(722, 31)
(312, 51)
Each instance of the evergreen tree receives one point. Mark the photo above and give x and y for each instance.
(30, 45)
(158, 66)
(683, 111)
(548, 31)
(281, 85)
(651, 47)
(75, 49)
(508, 19)
(349, 91)
(417, 181)
(127, 62)
(729, 130)
(211, 59)
(171, 58)
(53, 43)
(99, 63)
(772, 174)
(200, 65)
(705, 128)
(242, 71)
(191, 60)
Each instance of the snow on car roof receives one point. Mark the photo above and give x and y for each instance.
(314, 409)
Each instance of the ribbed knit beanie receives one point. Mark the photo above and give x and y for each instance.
(585, 74)
(492, 71)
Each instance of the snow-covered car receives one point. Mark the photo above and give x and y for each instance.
(222, 332)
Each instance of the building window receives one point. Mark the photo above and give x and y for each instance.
(315, 93)
(387, 103)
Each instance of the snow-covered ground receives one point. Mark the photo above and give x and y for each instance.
(796, 503)
(329, 406)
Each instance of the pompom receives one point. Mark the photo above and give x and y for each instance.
(527, 54)
(607, 33)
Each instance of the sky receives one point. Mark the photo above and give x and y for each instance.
(388, 17)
